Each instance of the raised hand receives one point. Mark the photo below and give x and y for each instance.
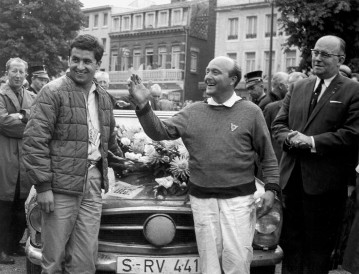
(138, 92)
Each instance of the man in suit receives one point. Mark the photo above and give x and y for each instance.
(318, 128)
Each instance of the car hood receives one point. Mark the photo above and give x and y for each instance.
(138, 190)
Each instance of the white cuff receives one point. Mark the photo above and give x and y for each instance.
(312, 149)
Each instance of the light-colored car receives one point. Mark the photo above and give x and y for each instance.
(140, 233)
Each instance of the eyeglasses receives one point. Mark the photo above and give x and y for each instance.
(324, 54)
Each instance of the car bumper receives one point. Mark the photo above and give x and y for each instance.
(108, 261)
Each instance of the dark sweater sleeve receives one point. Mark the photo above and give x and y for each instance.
(263, 147)
(170, 129)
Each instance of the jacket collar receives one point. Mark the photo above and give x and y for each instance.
(329, 92)
(98, 89)
(7, 90)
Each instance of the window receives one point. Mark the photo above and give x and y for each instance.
(162, 52)
(233, 29)
(150, 20)
(87, 21)
(163, 18)
(116, 23)
(176, 54)
(137, 21)
(95, 23)
(232, 55)
(126, 24)
(124, 63)
(104, 43)
(266, 57)
(291, 58)
(177, 17)
(125, 56)
(251, 27)
(114, 61)
(250, 61)
(149, 59)
(105, 19)
(194, 61)
(136, 59)
(268, 25)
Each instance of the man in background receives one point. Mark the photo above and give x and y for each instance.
(39, 78)
(15, 103)
(164, 103)
(103, 79)
(254, 84)
(281, 82)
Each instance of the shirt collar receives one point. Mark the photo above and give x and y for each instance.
(93, 88)
(229, 103)
(326, 81)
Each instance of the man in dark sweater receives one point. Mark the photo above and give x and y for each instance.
(222, 136)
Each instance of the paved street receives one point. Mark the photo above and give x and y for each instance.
(19, 267)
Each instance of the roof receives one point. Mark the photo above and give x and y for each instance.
(164, 6)
(106, 7)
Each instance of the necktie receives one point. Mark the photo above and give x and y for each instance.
(19, 97)
(315, 95)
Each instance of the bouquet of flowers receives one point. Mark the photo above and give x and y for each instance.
(167, 160)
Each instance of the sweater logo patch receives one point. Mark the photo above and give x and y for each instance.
(233, 127)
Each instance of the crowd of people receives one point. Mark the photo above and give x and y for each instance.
(300, 138)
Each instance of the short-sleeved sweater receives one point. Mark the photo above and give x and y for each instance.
(221, 141)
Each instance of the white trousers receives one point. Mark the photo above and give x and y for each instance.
(224, 233)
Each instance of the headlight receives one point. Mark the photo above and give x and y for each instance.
(34, 217)
(159, 229)
(268, 223)
(268, 228)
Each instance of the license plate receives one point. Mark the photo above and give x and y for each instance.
(165, 265)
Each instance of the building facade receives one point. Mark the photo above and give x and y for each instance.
(169, 44)
(98, 23)
(246, 36)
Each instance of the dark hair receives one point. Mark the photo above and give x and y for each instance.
(235, 71)
(90, 43)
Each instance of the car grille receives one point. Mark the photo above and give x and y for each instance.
(126, 228)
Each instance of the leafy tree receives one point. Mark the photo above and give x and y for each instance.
(38, 31)
(307, 20)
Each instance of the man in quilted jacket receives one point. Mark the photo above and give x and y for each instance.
(66, 144)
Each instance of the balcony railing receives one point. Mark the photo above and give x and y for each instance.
(146, 75)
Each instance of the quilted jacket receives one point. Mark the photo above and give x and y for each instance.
(56, 137)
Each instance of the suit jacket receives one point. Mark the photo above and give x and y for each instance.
(270, 112)
(334, 125)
